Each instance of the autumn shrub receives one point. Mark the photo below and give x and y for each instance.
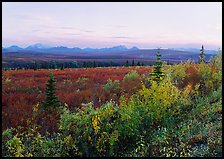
(130, 125)
(8, 147)
(82, 80)
(167, 142)
(160, 99)
(94, 130)
(202, 128)
(112, 90)
(178, 74)
(145, 111)
(211, 74)
(131, 82)
(106, 131)
(111, 86)
(198, 135)
(29, 142)
(133, 75)
(206, 83)
(217, 63)
(32, 144)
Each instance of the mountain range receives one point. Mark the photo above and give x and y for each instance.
(196, 50)
(59, 49)
(63, 49)
(116, 53)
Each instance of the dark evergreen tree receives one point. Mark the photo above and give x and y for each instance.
(138, 64)
(94, 64)
(202, 87)
(84, 64)
(133, 63)
(62, 66)
(157, 73)
(35, 66)
(202, 55)
(51, 101)
(89, 64)
(127, 63)
(111, 64)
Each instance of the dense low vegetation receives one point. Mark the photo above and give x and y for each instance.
(21, 89)
(178, 115)
(25, 63)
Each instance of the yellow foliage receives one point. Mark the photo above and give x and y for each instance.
(16, 146)
(178, 73)
(29, 155)
(95, 123)
(185, 94)
(159, 97)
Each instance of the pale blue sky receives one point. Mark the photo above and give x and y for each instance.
(106, 24)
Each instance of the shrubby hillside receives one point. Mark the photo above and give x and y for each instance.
(177, 114)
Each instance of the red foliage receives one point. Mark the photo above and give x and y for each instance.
(193, 78)
(21, 89)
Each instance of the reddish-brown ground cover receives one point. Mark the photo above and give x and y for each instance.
(22, 89)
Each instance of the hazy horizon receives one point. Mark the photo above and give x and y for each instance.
(129, 47)
(107, 24)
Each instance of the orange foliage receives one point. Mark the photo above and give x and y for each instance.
(192, 78)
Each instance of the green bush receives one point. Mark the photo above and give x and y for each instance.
(32, 143)
(133, 75)
(160, 99)
(211, 74)
(95, 131)
(178, 73)
(111, 86)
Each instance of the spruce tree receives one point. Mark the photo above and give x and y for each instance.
(51, 101)
(111, 64)
(157, 73)
(138, 64)
(62, 67)
(133, 63)
(127, 63)
(202, 87)
(202, 56)
(94, 64)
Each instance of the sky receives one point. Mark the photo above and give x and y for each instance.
(107, 24)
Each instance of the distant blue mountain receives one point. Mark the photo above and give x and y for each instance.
(134, 48)
(116, 52)
(37, 46)
(195, 50)
(62, 49)
(119, 48)
(13, 48)
(103, 50)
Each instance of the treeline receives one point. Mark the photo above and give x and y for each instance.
(17, 65)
